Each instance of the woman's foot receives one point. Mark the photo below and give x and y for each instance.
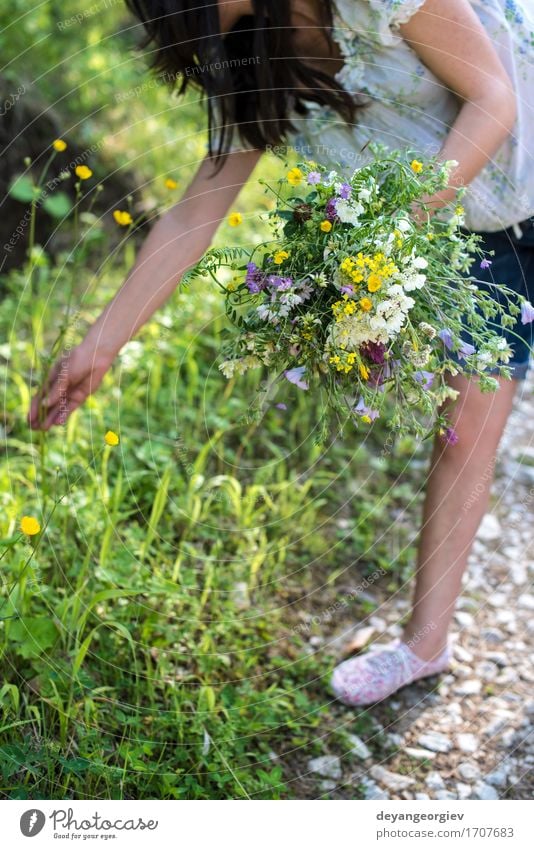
(374, 676)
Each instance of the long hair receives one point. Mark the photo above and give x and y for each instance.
(251, 77)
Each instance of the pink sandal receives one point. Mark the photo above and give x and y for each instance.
(374, 676)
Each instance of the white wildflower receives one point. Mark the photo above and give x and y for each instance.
(347, 212)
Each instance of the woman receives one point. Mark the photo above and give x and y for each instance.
(440, 76)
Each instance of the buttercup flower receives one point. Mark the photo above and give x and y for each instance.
(111, 438)
(123, 218)
(59, 145)
(83, 172)
(280, 256)
(170, 183)
(235, 219)
(416, 166)
(295, 177)
(325, 226)
(29, 526)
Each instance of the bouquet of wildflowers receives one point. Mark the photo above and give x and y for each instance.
(364, 294)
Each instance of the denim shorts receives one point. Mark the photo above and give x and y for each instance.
(512, 264)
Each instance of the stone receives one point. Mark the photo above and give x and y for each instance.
(504, 617)
(484, 791)
(420, 754)
(472, 687)
(391, 780)
(434, 781)
(462, 654)
(372, 790)
(497, 599)
(329, 766)
(327, 784)
(497, 657)
(497, 778)
(463, 790)
(498, 723)
(359, 640)
(464, 619)
(487, 670)
(444, 794)
(358, 747)
(492, 635)
(467, 743)
(526, 601)
(468, 771)
(422, 797)
(490, 529)
(435, 741)
(507, 676)
(507, 738)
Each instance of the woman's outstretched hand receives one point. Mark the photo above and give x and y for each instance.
(74, 376)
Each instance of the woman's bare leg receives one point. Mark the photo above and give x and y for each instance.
(457, 496)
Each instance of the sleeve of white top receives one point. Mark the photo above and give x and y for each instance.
(390, 15)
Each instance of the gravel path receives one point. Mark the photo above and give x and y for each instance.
(469, 734)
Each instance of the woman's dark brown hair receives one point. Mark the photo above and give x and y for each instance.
(252, 76)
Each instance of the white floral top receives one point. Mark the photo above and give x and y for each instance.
(408, 106)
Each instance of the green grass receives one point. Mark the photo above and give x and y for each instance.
(152, 640)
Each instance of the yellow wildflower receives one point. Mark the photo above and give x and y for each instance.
(122, 218)
(29, 526)
(294, 177)
(279, 257)
(170, 183)
(59, 145)
(325, 226)
(365, 419)
(231, 286)
(364, 371)
(430, 236)
(416, 166)
(111, 438)
(459, 210)
(374, 282)
(83, 172)
(235, 219)
(366, 304)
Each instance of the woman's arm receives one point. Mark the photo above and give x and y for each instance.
(449, 38)
(176, 242)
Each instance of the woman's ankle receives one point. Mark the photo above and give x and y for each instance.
(427, 643)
